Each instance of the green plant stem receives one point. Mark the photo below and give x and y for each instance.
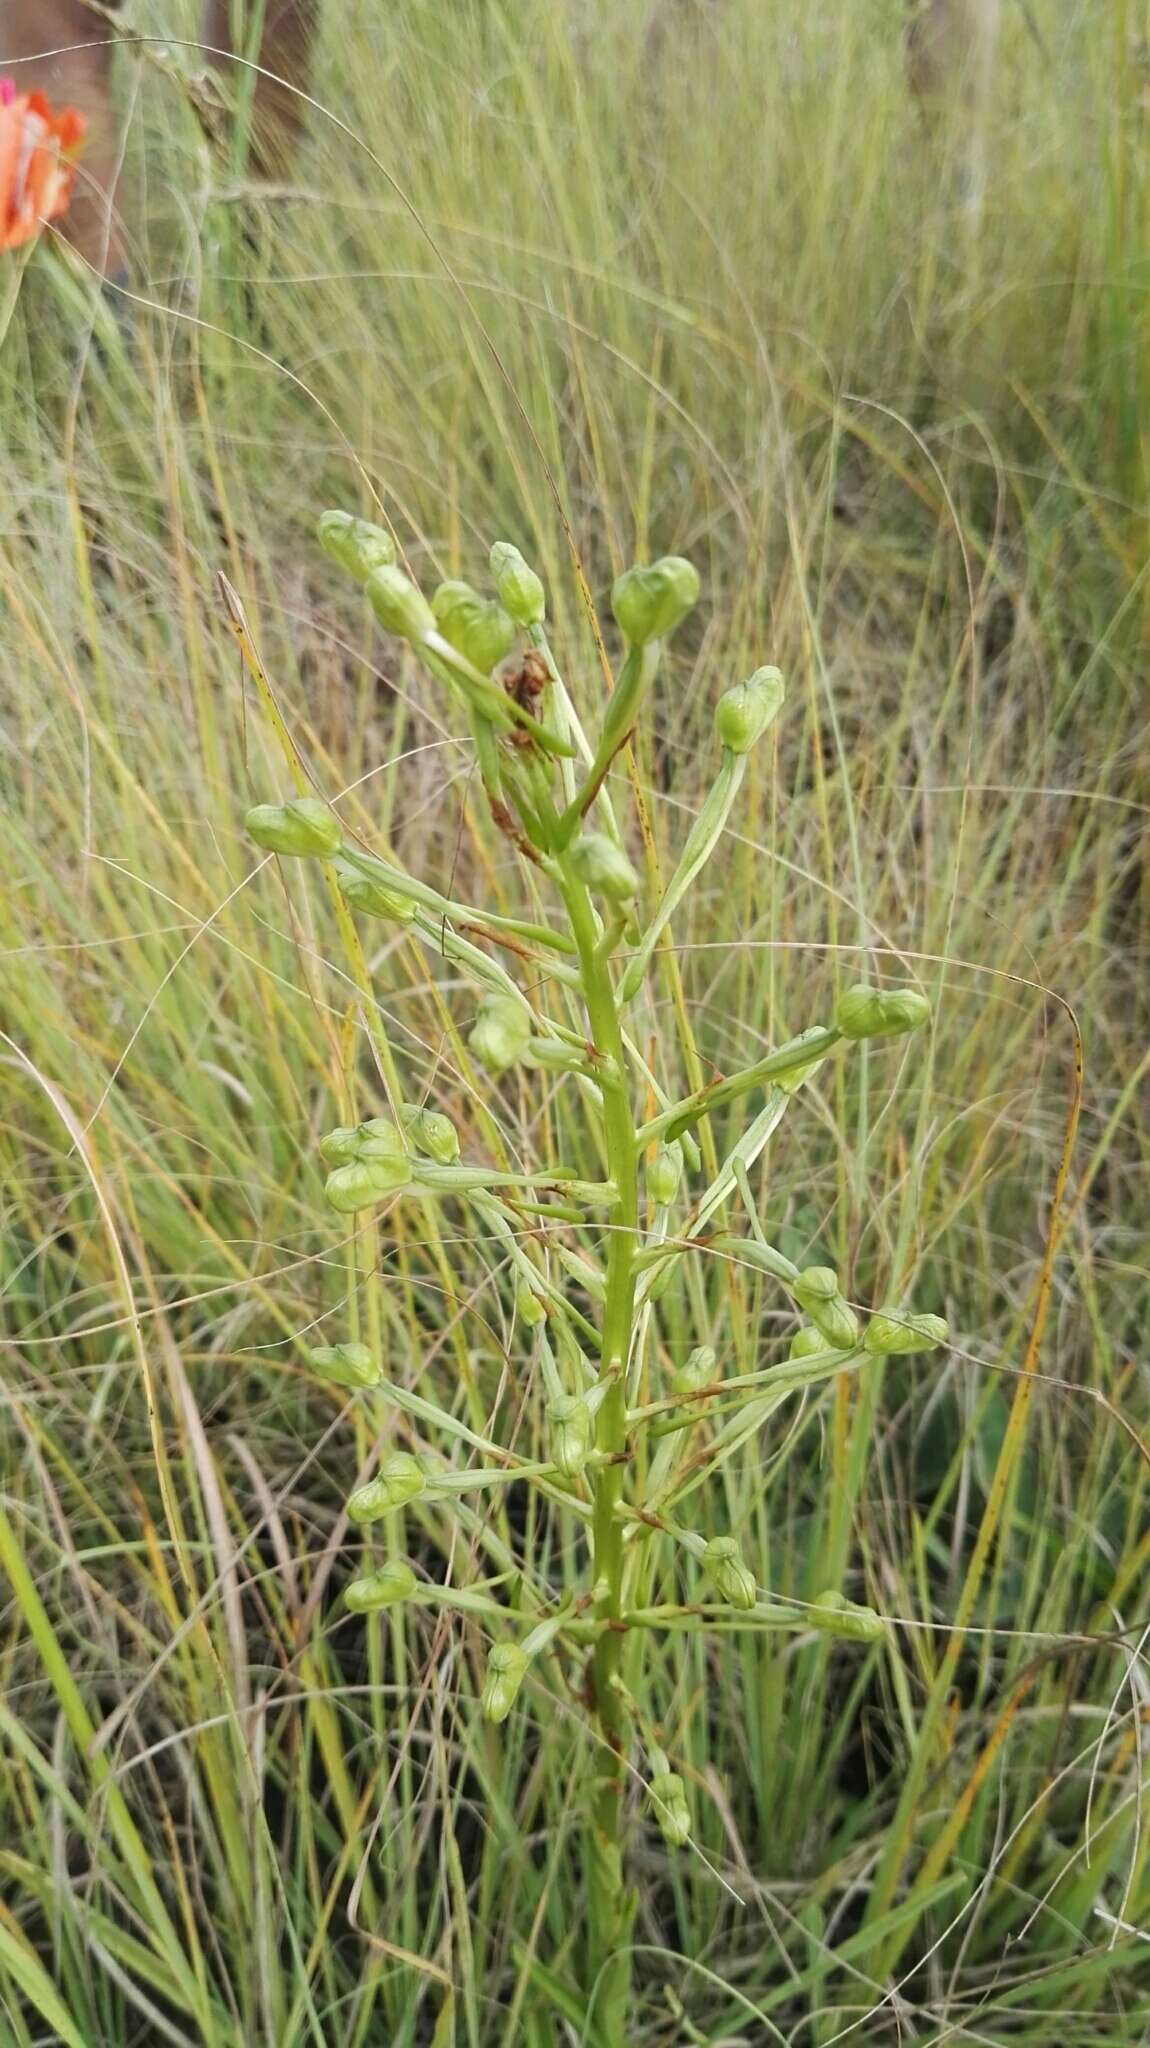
(609, 1968)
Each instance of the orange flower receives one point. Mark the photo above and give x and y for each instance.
(36, 171)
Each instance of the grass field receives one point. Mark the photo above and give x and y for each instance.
(713, 293)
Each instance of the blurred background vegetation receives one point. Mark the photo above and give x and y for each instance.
(698, 278)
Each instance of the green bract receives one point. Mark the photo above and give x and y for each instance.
(400, 605)
(744, 712)
(476, 627)
(649, 603)
(398, 1481)
(669, 1805)
(604, 867)
(507, 1667)
(345, 1365)
(894, 1333)
(357, 545)
(865, 1012)
(371, 897)
(520, 590)
(501, 1032)
(305, 828)
(732, 1579)
(386, 1587)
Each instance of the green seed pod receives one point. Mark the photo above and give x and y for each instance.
(816, 1290)
(304, 829)
(400, 605)
(664, 1172)
(475, 626)
(364, 1182)
(649, 603)
(392, 1583)
(528, 1307)
(865, 1012)
(895, 1334)
(572, 1433)
(345, 1365)
(398, 1481)
(501, 1032)
(744, 712)
(341, 1146)
(520, 590)
(668, 1797)
(604, 868)
(363, 893)
(507, 1667)
(357, 545)
(697, 1370)
(431, 1133)
(733, 1580)
(807, 1342)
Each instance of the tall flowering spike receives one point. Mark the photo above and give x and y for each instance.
(865, 1012)
(816, 1289)
(356, 544)
(501, 1033)
(520, 590)
(398, 1481)
(649, 603)
(38, 145)
(744, 712)
(345, 1365)
(604, 868)
(387, 1587)
(507, 1667)
(400, 605)
(731, 1577)
(477, 627)
(303, 829)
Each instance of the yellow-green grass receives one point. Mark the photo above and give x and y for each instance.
(718, 294)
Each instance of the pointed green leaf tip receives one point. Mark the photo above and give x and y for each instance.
(649, 603)
(865, 1012)
(357, 545)
(304, 829)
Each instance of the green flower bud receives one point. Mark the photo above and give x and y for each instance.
(357, 545)
(507, 1667)
(816, 1289)
(744, 712)
(305, 828)
(530, 1310)
(520, 590)
(603, 867)
(807, 1342)
(341, 1146)
(392, 1583)
(733, 1580)
(669, 1805)
(896, 1334)
(345, 1365)
(572, 1432)
(475, 626)
(364, 1182)
(664, 1172)
(364, 893)
(649, 603)
(865, 1012)
(842, 1617)
(398, 1481)
(697, 1370)
(400, 605)
(501, 1032)
(431, 1133)
(791, 1082)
